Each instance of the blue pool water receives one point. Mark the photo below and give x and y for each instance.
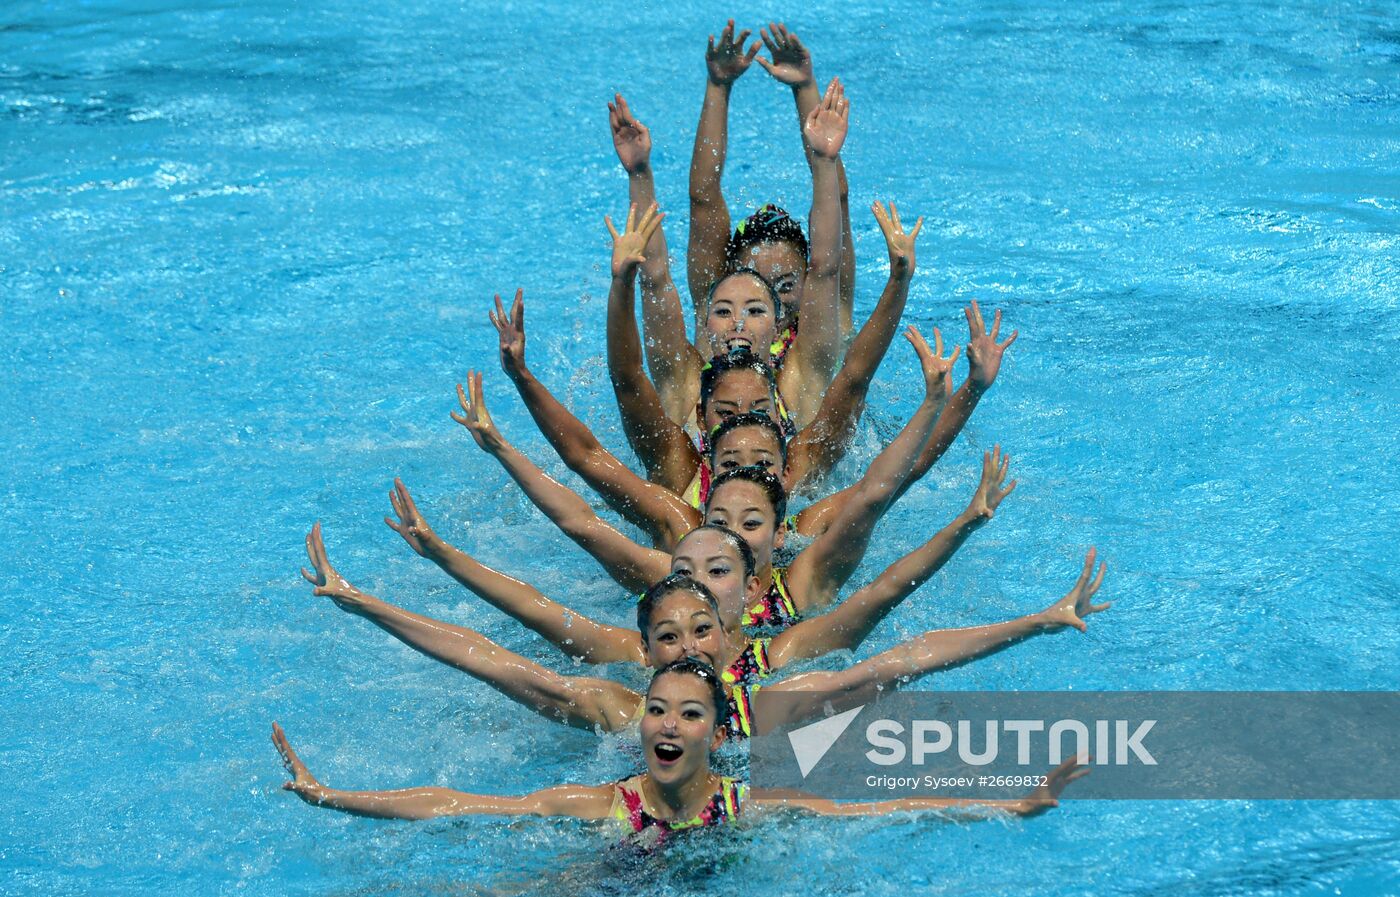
(246, 250)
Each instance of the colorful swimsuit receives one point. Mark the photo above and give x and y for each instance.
(723, 807)
(775, 610)
(781, 344)
(743, 677)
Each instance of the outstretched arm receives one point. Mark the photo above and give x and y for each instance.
(822, 443)
(634, 567)
(668, 351)
(583, 703)
(1043, 798)
(824, 566)
(709, 216)
(572, 633)
(582, 801)
(663, 514)
(845, 627)
(931, 651)
(791, 64)
(983, 362)
(660, 443)
(807, 373)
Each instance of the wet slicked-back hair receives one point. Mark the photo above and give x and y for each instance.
(743, 360)
(771, 485)
(676, 582)
(770, 224)
(747, 419)
(747, 272)
(689, 666)
(734, 539)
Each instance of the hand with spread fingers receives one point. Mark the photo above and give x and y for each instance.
(727, 60)
(1047, 796)
(825, 127)
(510, 329)
(989, 493)
(629, 247)
(410, 524)
(1077, 604)
(791, 62)
(938, 381)
(899, 244)
(475, 417)
(303, 783)
(631, 138)
(329, 583)
(983, 351)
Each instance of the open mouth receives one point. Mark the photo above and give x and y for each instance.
(738, 343)
(668, 753)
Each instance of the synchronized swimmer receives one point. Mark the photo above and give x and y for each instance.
(757, 407)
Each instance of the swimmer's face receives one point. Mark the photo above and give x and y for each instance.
(744, 507)
(712, 560)
(741, 314)
(785, 268)
(748, 446)
(740, 391)
(684, 625)
(680, 727)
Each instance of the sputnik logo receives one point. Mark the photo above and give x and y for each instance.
(810, 743)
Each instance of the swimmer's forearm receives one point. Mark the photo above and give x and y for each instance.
(663, 319)
(939, 650)
(709, 216)
(820, 342)
(967, 808)
(573, 633)
(951, 421)
(582, 703)
(806, 96)
(823, 442)
(906, 575)
(632, 566)
(657, 439)
(852, 621)
(414, 803)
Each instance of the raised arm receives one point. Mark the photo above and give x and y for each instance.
(582, 801)
(634, 567)
(709, 216)
(791, 64)
(660, 443)
(584, 703)
(570, 632)
(984, 355)
(817, 351)
(824, 566)
(822, 443)
(668, 352)
(848, 624)
(663, 514)
(931, 651)
(1043, 798)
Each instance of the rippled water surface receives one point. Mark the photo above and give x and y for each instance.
(246, 250)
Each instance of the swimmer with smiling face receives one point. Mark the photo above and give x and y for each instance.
(681, 725)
